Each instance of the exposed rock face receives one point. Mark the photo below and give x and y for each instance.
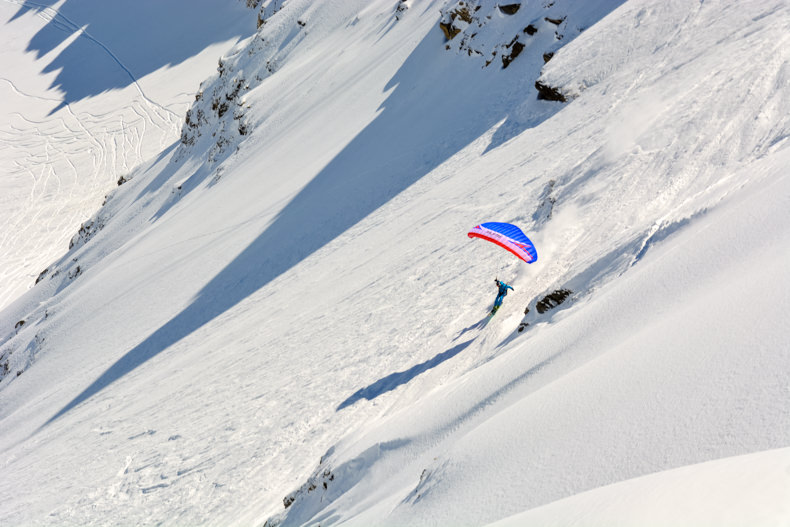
(548, 93)
(449, 30)
(456, 19)
(510, 9)
(552, 300)
(528, 33)
(515, 48)
(87, 231)
(223, 104)
(545, 304)
(487, 29)
(402, 7)
(217, 118)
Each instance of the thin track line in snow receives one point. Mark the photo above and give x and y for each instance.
(51, 14)
(23, 94)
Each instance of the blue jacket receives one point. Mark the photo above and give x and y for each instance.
(503, 287)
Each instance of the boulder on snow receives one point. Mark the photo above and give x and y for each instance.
(552, 300)
(548, 93)
(449, 30)
(402, 7)
(515, 48)
(455, 20)
(510, 9)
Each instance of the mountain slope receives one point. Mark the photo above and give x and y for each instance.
(287, 298)
(85, 99)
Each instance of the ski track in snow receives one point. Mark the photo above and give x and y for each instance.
(43, 147)
(50, 14)
(48, 152)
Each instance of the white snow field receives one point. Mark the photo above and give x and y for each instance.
(90, 89)
(280, 320)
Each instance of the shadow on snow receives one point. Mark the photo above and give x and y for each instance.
(439, 104)
(392, 381)
(106, 55)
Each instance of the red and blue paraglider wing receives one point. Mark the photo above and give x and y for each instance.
(507, 236)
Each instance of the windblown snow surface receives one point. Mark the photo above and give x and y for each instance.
(283, 308)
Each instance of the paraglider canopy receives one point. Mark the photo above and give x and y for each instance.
(507, 236)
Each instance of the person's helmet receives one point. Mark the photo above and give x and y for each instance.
(496, 280)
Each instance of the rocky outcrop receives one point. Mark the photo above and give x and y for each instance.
(221, 106)
(217, 121)
(401, 8)
(549, 93)
(515, 47)
(487, 29)
(542, 306)
(87, 231)
(552, 300)
(456, 19)
(510, 9)
(20, 348)
(505, 33)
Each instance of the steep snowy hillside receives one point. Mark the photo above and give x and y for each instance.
(88, 91)
(281, 320)
(742, 490)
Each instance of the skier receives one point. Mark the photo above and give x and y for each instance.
(503, 287)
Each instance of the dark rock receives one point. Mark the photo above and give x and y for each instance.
(552, 300)
(530, 30)
(547, 56)
(515, 50)
(402, 7)
(448, 27)
(547, 93)
(464, 14)
(87, 231)
(75, 273)
(555, 21)
(449, 30)
(510, 9)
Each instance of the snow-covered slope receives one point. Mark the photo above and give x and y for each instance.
(659, 370)
(283, 307)
(88, 91)
(743, 490)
